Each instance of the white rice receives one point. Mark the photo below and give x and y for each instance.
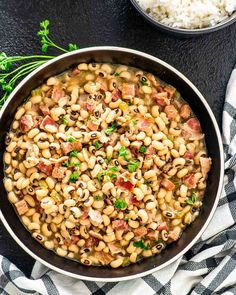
(189, 14)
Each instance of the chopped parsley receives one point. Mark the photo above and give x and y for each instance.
(133, 166)
(75, 164)
(142, 149)
(192, 199)
(65, 164)
(116, 74)
(70, 164)
(74, 176)
(65, 121)
(130, 103)
(140, 244)
(127, 219)
(73, 153)
(143, 83)
(113, 176)
(109, 158)
(123, 153)
(108, 174)
(110, 129)
(120, 204)
(97, 198)
(71, 139)
(96, 144)
(113, 168)
(134, 122)
(176, 181)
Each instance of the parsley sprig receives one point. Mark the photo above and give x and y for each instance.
(140, 244)
(8, 77)
(192, 200)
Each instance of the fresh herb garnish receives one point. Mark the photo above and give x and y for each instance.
(140, 244)
(120, 204)
(65, 164)
(142, 149)
(176, 181)
(9, 78)
(71, 164)
(134, 122)
(143, 83)
(97, 198)
(96, 144)
(110, 129)
(113, 168)
(130, 103)
(71, 139)
(108, 158)
(64, 121)
(123, 153)
(133, 166)
(74, 176)
(75, 164)
(192, 200)
(116, 74)
(113, 176)
(74, 153)
(127, 219)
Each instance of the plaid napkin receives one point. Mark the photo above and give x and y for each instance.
(208, 268)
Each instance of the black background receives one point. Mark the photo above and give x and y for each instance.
(207, 61)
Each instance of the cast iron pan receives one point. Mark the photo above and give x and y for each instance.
(213, 142)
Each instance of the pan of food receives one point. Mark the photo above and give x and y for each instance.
(112, 163)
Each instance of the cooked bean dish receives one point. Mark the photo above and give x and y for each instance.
(105, 164)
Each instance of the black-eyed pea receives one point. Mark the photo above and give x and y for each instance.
(69, 224)
(143, 215)
(141, 135)
(168, 214)
(124, 243)
(138, 193)
(96, 170)
(84, 232)
(48, 219)
(19, 183)
(85, 261)
(116, 263)
(36, 218)
(8, 184)
(70, 202)
(157, 145)
(155, 111)
(47, 202)
(157, 248)
(76, 212)
(73, 248)
(82, 67)
(89, 202)
(71, 255)
(108, 210)
(7, 158)
(98, 204)
(147, 141)
(67, 190)
(101, 245)
(12, 197)
(133, 257)
(25, 220)
(147, 253)
(133, 223)
(30, 212)
(49, 245)
(95, 235)
(19, 113)
(181, 173)
(40, 238)
(178, 162)
(150, 205)
(109, 237)
(106, 220)
(164, 235)
(45, 230)
(138, 251)
(61, 252)
(33, 226)
(176, 221)
(129, 236)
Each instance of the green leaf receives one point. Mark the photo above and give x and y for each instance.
(96, 144)
(130, 103)
(127, 218)
(97, 198)
(143, 83)
(65, 164)
(74, 153)
(140, 244)
(71, 139)
(74, 176)
(142, 149)
(75, 164)
(120, 204)
(134, 122)
(101, 176)
(113, 176)
(176, 181)
(192, 200)
(44, 24)
(123, 153)
(116, 74)
(110, 129)
(44, 47)
(72, 47)
(133, 166)
(113, 168)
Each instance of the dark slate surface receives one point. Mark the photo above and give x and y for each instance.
(207, 61)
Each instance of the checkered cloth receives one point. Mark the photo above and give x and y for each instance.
(208, 268)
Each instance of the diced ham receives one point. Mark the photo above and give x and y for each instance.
(133, 200)
(21, 207)
(173, 235)
(77, 145)
(188, 155)
(59, 172)
(92, 126)
(161, 98)
(162, 226)
(115, 95)
(103, 83)
(189, 181)
(191, 130)
(103, 258)
(95, 216)
(26, 123)
(57, 93)
(45, 110)
(140, 232)
(114, 248)
(171, 112)
(170, 90)
(143, 124)
(66, 147)
(48, 121)
(119, 224)
(112, 139)
(169, 185)
(150, 151)
(128, 90)
(75, 72)
(205, 165)
(153, 235)
(85, 213)
(74, 239)
(185, 111)
(45, 168)
(91, 241)
(127, 185)
(90, 107)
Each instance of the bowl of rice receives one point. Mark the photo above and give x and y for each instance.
(189, 17)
